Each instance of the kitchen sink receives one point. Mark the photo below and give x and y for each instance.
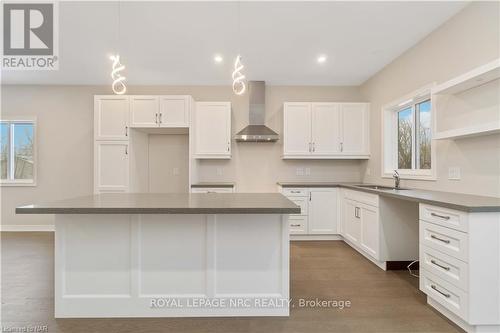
(380, 187)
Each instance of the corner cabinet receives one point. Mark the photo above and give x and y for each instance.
(318, 210)
(326, 130)
(212, 130)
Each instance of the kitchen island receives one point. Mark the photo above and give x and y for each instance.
(170, 255)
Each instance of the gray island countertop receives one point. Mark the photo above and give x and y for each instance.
(459, 201)
(174, 203)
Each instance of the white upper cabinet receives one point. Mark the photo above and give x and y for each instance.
(111, 117)
(159, 111)
(326, 130)
(212, 130)
(297, 129)
(174, 111)
(354, 126)
(111, 166)
(144, 111)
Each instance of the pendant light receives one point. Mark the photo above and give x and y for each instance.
(239, 84)
(118, 85)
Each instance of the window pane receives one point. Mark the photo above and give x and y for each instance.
(4, 150)
(424, 134)
(405, 125)
(23, 151)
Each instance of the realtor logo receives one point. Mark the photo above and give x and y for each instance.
(29, 36)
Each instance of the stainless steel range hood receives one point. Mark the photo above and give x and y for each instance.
(256, 131)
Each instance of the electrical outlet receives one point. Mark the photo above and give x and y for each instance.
(175, 171)
(308, 171)
(454, 173)
(220, 171)
(299, 171)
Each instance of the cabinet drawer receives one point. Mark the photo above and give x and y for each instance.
(212, 190)
(444, 266)
(298, 225)
(363, 197)
(303, 203)
(295, 192)
(446, 217)
(446, 240)
(449, 296)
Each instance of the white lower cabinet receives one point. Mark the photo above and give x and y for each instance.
(460, 265)
(322, 211)
(360, 222)
(351, 224)
(298, 225)
(111, 169)
(318, 210)
(370, 230)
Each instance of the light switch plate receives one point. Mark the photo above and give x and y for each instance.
(299, 171)
(454, 173)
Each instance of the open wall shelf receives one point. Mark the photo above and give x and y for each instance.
(483, 81)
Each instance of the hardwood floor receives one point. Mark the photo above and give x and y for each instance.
(381, 301)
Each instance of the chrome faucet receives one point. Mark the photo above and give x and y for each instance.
(397, 179)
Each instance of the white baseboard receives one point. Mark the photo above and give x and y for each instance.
(314, 237)
(24, 227)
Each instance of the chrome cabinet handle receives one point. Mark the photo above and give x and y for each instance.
(160, 117)
(310, 147)
(126, 130)
(156, 117)
(294, 191)
(440, 216)
(341, 146)
(310, 196)
(314, 146)
(228, 145)
(126, 150)
(447, 241)
(356, 212)
(294, 225)
(439, 265)
(439, 291)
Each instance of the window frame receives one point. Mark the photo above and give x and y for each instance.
(390, 136)
(21, 182)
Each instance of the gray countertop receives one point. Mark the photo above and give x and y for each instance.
(175, 203)
(213, 184)
(459, 201)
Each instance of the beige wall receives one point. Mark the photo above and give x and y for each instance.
(469, 39)
(65, 142)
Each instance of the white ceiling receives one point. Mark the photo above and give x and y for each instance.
(175, 42)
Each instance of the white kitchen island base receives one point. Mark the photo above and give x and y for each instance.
(171, 265)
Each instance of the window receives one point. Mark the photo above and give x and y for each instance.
(408, 145)
(17, 143)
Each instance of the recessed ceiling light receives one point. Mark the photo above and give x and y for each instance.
(218, 58)
(321, 59)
